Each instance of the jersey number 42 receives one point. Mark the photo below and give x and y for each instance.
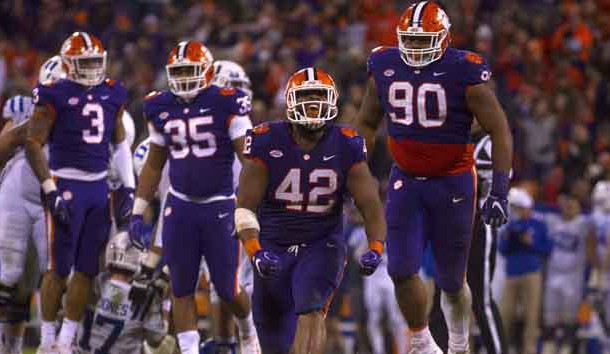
(290, 190)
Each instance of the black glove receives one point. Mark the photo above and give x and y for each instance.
(58, 207)
(140, 285)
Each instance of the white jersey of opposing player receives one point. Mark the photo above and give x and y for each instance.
(114, 179)
(116, 326)
(18, 176)
(569, 243)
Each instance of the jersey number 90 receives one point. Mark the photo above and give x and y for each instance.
(405, 99)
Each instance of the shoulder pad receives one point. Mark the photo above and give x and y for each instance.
(152, 94)
(349, 132)
(262, 128)
(228, 91)
(381, 48)
(474, 58)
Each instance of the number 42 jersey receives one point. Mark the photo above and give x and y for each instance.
(428, 120)
(304, 197)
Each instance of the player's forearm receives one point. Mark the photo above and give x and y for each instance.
(592, 256)
(37, 160)
(369, 134)
(248, 229)
(374, 222)
(502, 147)
(149, 182)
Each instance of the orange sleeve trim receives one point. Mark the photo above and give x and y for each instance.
(377, 246)
(252, 246)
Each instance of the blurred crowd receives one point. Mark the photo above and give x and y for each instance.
(550, 60)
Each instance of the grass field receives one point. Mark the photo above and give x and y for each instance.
(29, 350)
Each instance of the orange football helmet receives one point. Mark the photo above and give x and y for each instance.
(311, 98)
(423, 33)
(85, 59)
(190, 68)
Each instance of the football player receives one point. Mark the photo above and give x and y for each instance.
(198, 127)
(79, 118)
(113, 324)
(22, 219)
(297, 173)
(429, 93)
(574, 249)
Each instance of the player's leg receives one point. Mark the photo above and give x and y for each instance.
(405, 246)
(317, 274)
(531, 298)
(550, 315)
(450, 204)
(222, 252)
(273, 308)
(182, 251)
(15, 229)
(61, 240)
(91, 242)
(480, 273)
(397, 323)
(374, 311)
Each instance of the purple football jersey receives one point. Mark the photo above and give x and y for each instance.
(85, 120)
(198, 138)
(304, 197)
(428, 119)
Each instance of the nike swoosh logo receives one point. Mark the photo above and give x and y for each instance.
(455, 200)
(105, 97)
(499, 207)
(327, 158)
(223, 215)
(203, 110)
(438, 74)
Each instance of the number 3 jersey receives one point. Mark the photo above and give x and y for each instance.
(428, 120)
(83, 127)
(199, 135)
(304, 197)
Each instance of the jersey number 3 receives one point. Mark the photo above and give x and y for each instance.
(95, 135)
(290, 190)
(401, 94)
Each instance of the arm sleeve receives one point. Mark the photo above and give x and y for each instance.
(356, 148)
(43, 95)
(476, 69)
(238, 126)
(255, 146)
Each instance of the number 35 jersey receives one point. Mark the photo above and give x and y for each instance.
(83, 127)
(428, 120)
(304, 197)
(199, 135)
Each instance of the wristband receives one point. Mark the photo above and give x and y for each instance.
(252, 245)
(48, 186)
(499, 183)
(376, 246)
(139, 206)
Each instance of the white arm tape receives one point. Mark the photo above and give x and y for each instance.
(139, 206)
(246, 219)
(48, 186)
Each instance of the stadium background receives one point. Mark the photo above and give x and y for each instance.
(550, 58)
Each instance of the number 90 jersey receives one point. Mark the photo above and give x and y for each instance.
(304, 197)
(198, 135)
(85, 120)
(428, 120)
